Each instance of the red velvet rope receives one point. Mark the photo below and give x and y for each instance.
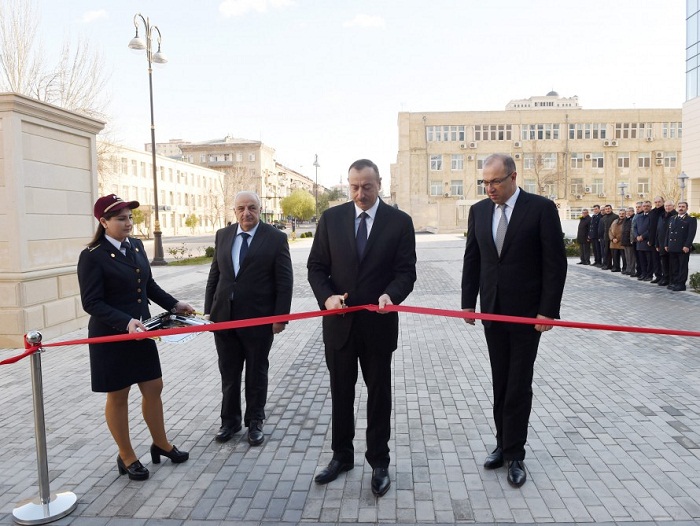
(238, 324)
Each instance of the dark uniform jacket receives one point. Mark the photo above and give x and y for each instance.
(114, 289)
(681, 233)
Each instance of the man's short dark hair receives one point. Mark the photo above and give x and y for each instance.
(361, 164)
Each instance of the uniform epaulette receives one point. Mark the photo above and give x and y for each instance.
(90, 249)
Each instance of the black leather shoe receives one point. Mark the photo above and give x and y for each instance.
(175, 455)
(648, 278)
(663, 283)
(380, 481)
(495, 459)
(604, 267)
(516, 473)
(633, 275)
(255, 433)
(226, 433)
(331, 472)
(615, 270)
(677, 288)
(136, 471)
(655, 280)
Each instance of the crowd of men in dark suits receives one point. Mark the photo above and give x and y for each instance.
(650, 243)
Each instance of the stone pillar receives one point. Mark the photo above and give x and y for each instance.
(48, 184)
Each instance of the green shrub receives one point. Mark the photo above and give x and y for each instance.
(209, 252)
(695, 281)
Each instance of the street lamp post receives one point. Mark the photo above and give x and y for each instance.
(682, 178)
(316, 165)
(622, 186)
(157, 57)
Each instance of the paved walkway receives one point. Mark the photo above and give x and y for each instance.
(615, 429)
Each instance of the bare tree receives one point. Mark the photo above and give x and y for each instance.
(76, 82)
(544, 176)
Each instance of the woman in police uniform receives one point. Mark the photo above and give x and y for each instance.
(115, 287)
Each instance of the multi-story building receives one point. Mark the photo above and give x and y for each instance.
(168, 149)
(184, 189)
(248, 165)
(576, 157)
(691, 108)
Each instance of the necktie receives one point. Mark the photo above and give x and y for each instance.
(129, 254)
(244, 248)
(361, 238)
(501, 229)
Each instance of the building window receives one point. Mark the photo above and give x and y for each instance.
(576, 160)
(251, 157)
(445, 133)
(549, 161)
(457, 187)
(435, 162)
(626, 130)
(672, 130)
(598, 186)
(597, 160)
(643, 185)
(533, 132)
(670, 159)
(528, 161)
(480, 190)
(587, 131)
(435, 187)
(493, 132)
(530, 186)
(623, 160)
(203, 158)
(458, 162)
(480, 162)
(125, 166)
(575, 212)
(239, 157)
(645, 130)
(577, 187)
(134, 167)
(644, 160)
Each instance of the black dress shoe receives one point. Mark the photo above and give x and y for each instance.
(615, 270)
(677, 288)
(255, 433)
(495, 459)
(380, 481)
(136, 471)
(648, 278)
(663, 283)
(516, 473)
(226, 433)
(175, 455)
(633, 275)
(605, 267)
(656, 280)
(331, 472)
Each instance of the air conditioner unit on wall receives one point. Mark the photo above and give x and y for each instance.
(470, 157)
(517, 144)
(649, 139)
(601, 194)
(587, 157)
(628, 196)
(642, 195)
(659, 162)
(447, 194)
(659, 155)
(613, 143)
(579, 196)
(606, 143)
(463, 146)
(517, 155)
(473, 145)
(587, 190)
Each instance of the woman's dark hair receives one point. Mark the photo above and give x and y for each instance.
(100, 232)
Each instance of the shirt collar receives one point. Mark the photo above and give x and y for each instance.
(252, 231)
(371, 212)
(117, 244)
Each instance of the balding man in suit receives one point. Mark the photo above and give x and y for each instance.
(516, 262)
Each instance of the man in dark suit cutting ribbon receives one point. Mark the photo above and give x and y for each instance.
(516, 262)
(364, 252)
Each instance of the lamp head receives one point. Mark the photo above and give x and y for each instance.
(137, 43)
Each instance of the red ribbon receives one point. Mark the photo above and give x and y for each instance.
(252, 322)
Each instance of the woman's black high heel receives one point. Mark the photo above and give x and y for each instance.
(136, 471)
(175, 455)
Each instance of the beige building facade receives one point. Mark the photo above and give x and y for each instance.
(574, 156)
(184, 189)
(691, 108)
(248, 165)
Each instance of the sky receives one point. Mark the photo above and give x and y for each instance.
(329, 77)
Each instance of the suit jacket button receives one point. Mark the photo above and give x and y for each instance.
(138, 290)
(138, 300)
(138, 270)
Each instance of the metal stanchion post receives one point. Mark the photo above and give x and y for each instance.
(48, 507)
